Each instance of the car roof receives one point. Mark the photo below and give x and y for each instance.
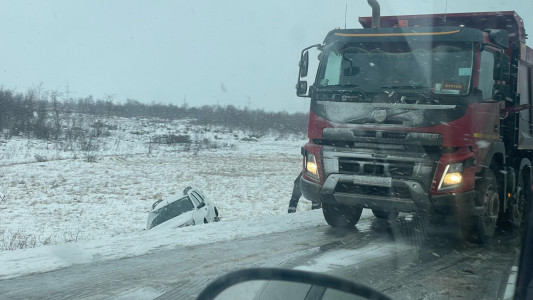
(169, 199)
(176, 196)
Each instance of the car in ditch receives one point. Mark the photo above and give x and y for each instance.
(187, 208)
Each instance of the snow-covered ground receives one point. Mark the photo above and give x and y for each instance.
(73, 211)
(165, 236)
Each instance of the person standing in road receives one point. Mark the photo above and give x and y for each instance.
(296, 194)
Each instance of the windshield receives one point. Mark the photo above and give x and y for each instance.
(170, 211)
(444, 68)
(149, 147)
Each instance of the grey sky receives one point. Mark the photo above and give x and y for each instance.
(205, 52)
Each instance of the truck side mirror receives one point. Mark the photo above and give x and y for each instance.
(499, 37)
(501, 92)
(301, 88)
(304, 64)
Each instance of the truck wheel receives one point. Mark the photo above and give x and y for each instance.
(385, 214)
(340, 215)
(479, 228)
(514, 214)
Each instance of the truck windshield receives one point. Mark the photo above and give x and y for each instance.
(443, 68)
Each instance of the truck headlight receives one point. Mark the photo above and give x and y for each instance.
(310, 165)
(453, 176)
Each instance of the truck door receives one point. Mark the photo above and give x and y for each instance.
(486, 123)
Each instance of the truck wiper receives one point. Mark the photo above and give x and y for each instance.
(343, 90)
(366, 119)
(411, 87)
(425, 89)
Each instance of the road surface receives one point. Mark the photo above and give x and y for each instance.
(403, 260)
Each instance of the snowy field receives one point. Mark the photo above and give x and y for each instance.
(65, 210)
(65, 199)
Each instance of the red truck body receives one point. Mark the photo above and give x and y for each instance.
(425, 113)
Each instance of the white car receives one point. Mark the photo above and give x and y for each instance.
(187, 208)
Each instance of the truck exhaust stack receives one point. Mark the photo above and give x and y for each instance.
(375, 13)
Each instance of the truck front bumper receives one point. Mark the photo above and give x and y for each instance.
(402, 195)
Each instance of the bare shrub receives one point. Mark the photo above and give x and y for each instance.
(17, 240)
(71, 236)
(207, 144)
(138, 132)
(90, 157)
(47, 240)
(21, 240)
(112, 127)
(40, 158)
(91, 144)
(170, 139)
(249, 139)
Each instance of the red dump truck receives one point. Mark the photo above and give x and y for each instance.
(428, 114)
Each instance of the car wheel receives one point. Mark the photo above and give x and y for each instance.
(341, 215)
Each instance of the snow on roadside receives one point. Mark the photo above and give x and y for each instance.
(164, 237)
(72, 200)
(59, 210)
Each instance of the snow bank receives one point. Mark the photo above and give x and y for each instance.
(48, 258)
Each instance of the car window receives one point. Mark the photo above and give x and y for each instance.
(170, 211)
(198, 197)
(194, 199)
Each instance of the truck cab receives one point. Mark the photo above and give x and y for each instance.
(422, 113)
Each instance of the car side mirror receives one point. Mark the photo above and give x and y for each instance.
(273, 283)
(201, 205)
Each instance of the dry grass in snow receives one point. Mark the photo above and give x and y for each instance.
(70, 200)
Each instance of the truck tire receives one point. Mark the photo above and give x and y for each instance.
(340, 215)
(384, 214)
(479, 228)
(513, 218)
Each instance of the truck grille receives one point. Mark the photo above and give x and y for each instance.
(358, 166)
(390, 192)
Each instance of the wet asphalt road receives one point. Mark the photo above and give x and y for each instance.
(406, 260)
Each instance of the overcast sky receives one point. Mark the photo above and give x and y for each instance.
(203, 52)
